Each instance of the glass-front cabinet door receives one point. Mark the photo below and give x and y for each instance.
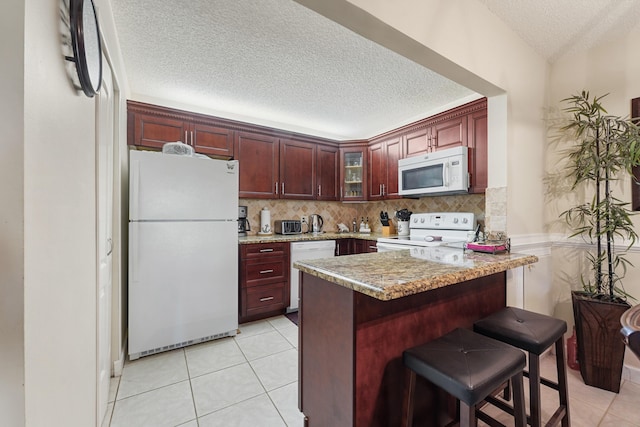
(353, 173)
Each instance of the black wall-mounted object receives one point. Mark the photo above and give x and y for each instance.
(635, 186)
(87, 47)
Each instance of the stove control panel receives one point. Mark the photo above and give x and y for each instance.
(443, 221)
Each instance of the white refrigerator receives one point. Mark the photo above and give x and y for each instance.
(183, 251)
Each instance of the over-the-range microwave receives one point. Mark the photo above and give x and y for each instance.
(437, 173)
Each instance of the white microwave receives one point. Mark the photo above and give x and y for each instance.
(437, 173)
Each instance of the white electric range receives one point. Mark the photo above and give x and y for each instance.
(451, 229)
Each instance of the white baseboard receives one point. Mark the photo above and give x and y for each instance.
(118, 365)
(631, 373)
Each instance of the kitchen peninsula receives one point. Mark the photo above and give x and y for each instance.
(358, 314)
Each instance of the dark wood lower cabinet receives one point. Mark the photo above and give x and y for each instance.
(364, 246)
(351, 246)
(345, 247)
(264, 280)
(350, 348)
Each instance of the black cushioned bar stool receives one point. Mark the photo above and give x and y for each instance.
(533, 333)
(468, 366)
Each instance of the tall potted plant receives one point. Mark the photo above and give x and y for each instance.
(606, 149)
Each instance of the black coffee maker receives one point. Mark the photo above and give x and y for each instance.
(243, 222)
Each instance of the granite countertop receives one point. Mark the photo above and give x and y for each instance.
(270, 238)
(395, 274)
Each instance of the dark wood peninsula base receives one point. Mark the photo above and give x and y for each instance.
(350, 349)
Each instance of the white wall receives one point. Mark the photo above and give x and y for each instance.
(59, 231)
(11, 214)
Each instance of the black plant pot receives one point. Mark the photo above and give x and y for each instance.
(600, 344)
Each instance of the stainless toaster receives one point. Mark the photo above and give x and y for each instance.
(288, 226)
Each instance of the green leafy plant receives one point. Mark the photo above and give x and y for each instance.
(607, 148)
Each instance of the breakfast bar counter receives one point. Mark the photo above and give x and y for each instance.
(359, 313)
(395, 274)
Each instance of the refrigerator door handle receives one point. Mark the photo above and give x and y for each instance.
(134, 197)
(133, 252)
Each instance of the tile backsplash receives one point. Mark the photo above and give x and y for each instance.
(336, 212)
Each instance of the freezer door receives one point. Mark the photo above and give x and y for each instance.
(183, 282)
(173, 187)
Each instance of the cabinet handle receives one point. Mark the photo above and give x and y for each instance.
(192, 142)
(266, 271)
(266, 299)
(282, 192)
(319, 190)
(383, 189)
(266, 250)
(276, 187)
(186, 139)
(375, 248)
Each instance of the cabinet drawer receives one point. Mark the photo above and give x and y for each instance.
(264, 249)
(266, 298)
(260, 272)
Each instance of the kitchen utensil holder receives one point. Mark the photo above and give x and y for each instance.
(388, 230)
(403, 228)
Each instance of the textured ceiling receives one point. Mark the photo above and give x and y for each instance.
(558, 27)
(277, 63)
(274, 62)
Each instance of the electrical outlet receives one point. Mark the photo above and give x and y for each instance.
(303, 219)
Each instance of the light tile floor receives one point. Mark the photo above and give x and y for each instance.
(252, 380)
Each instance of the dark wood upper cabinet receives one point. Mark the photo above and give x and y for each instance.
(478, 151)
(327, 172)
(383, 168)
(153, 126)
(259, 165)
(154, 131)
(273, 168)
(377, 171)
(417, 142)
(449, 133)
(297, 170)
(462, 126)
(211, 140)
(278, 164)
(393, 150)
(353, 172)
